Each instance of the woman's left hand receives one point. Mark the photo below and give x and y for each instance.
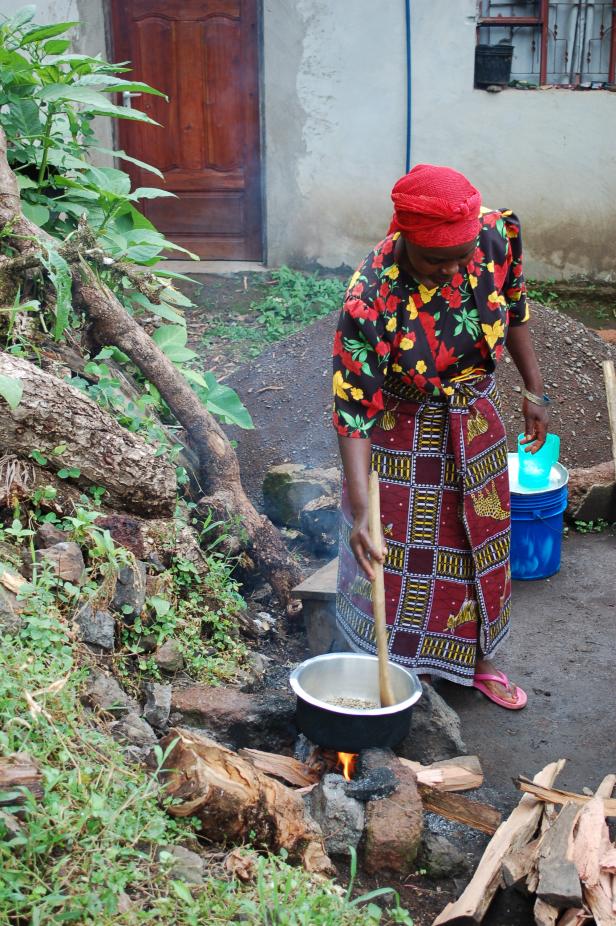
(536, 421)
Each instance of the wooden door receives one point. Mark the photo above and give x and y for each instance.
(204, 55)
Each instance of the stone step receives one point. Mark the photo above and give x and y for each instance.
(318, 595)
(321, 585)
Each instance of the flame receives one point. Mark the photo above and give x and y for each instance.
(347, 761)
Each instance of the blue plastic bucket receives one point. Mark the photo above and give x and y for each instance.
(536, 523)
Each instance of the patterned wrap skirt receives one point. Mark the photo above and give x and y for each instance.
(445, 512)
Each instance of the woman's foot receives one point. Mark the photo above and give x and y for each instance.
(499, 689)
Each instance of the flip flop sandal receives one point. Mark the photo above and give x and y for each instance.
(520, 696)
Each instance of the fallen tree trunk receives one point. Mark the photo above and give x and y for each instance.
(53, 414)
(112, 325)
(233, 800)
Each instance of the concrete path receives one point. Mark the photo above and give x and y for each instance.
(562, 650)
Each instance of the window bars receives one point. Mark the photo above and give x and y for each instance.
(568, 43)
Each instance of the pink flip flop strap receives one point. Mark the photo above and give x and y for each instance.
(500, 677)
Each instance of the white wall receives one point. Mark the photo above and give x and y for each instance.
(335, 109)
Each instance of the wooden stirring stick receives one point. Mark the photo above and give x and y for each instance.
(378, 592)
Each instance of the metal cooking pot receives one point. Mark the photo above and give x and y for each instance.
(351, 675)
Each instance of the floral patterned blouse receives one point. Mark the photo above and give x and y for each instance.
(392, 326)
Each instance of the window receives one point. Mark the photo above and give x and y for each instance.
(569, 43)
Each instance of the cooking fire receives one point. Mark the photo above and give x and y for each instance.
(347, 762)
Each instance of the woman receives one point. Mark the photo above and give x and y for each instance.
(425, 320)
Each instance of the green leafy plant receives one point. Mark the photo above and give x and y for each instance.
(49, 97)
(297, 299)
(591, 527)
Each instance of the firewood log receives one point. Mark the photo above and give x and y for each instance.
(459, 808)
(545, 913)
(232, 799)
(460, 774)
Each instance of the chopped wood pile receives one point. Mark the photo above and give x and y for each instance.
(555, 846)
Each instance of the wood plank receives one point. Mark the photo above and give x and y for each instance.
(609, 375)
(556, 796)
(559, 882)
(321, 584)
(545, 913)
(513, 833)
(461, 809)
(460, 774)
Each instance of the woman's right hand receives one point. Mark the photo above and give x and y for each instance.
(362, 546)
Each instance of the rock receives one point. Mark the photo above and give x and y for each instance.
(441, 858)
(125, 532)
(435, 730)
(10, 618)
(340, 816)
(394, 824)
(184, 865)
(157, 705)
(290, 486)
(147, 642)
(96, 627)
(11, 556)
(602, 503)
(10, 827)
(263, 720)
(105, 694)
(320, 520)
(129, 595)
(253, 671)
(135, 730)
(380, 782)
(168, 657)
(65, 560)
(47, 535)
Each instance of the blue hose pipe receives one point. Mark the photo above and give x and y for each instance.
(409, 98)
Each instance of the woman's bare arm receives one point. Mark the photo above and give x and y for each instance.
(355, 453)
(520, 346)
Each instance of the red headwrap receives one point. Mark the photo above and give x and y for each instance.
(435, 207)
